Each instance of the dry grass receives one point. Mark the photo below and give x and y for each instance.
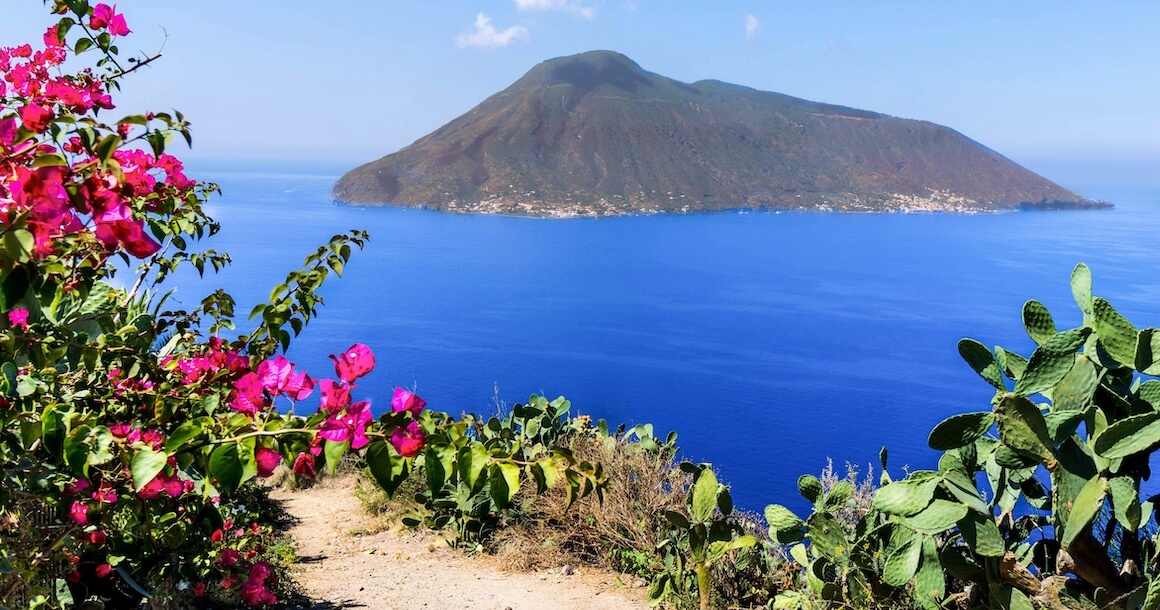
(619, 533)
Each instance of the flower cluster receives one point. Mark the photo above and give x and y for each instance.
(144, 432)
(85, 184)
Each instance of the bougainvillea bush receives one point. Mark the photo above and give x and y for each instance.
(127, 429)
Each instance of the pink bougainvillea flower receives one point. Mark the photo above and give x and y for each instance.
(404, 400)
(199, 589)
(79, 512)
(7, 132)
(335, 395)
(268, 460)
(77, 487)
(103, 570)
(105, 16)
(351, 426)
(304, 465)
(105, 494)
(51, 36)
(216, 536)
(408, 440)
(171, 485)
(35, 117)
(356, 361)
(117, 225)
(97, 537)
(18, 318)
(229, 557)
(249, 397)
(278, 378)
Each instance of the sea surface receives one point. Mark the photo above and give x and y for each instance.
(772, 343)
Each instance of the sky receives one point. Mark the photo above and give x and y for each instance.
(1066, 88)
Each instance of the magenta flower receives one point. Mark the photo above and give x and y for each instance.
(18, 318)
(79, 512)
(249, 397)
(105, 16)
(356, 361)
(268, 460)
(229, 557)
(278, 378)
(335, 395)
(105, 494)
(404, 400)
(103, 570)
(350, 426)
(408, 440)
(304, 465)
(117, 225)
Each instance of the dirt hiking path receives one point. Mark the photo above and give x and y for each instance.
(406, 571)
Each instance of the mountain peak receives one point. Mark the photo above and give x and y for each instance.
(587, 71)
(595, 134)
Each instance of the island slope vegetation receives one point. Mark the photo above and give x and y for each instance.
(594, 134)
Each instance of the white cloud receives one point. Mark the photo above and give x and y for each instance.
(751, 27)
(574, 7)
(486, 36)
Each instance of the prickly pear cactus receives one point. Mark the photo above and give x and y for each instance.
(1037, 499)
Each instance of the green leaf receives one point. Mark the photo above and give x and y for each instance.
(549, 472)
(902, 564)
(982, 535)
(1023, 429)
(982, 361)
(1013, 364)
(1037, 320)
(1051, 361)
(938, 517)
(905, 497)
(18, 244)
(1074, 392)
(472, 460)
(146, 464)
(1117, 335)
(781, 519)
(929, 581)
(226, 467)
(388, 468)
(963, 488)
(246, 449)
(182, 435)
(76, 450)
(705, 495)
(505, 482)
(1087, 504)
(1148, 351)
(1152, 600)
(333, 452)
(1149, 392)
(828, 537)
(840, 493)
(810, 487)
(100, 447)
(1125, 501)
(1081, 290)
(959, 430)
(1129, 436)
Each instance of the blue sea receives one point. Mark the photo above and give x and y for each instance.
(771, 343)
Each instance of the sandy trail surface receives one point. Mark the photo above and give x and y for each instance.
(408, 571)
